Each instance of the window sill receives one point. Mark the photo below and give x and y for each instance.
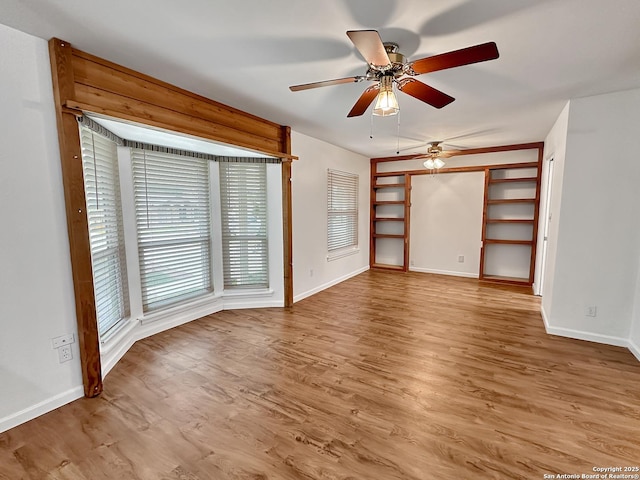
(179, 308)
(342, 254)
(109, 341)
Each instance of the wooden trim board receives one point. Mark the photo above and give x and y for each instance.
(77, 223)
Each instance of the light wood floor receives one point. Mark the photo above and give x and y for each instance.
(385, 376)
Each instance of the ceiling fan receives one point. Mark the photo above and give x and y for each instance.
(387, 66)
(434, 156)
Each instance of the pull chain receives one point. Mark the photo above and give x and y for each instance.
(398, 144)
(371, 127)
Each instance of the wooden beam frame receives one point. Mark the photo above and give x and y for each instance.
(470, 151)
(77, 223)
(86, 83)
(471, 168)
(287, 223)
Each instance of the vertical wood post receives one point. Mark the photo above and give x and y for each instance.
(407, 222)
(372, 213)
(536, 213)
(77, 223)
(287, 220)
(485, 213)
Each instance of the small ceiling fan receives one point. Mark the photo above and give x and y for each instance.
(434, 156)
(387, 66)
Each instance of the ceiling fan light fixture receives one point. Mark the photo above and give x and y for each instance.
(386, 102)
(433, 163)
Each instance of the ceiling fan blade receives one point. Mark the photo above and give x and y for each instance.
(457, 58)
(325, 83)
(364, 101)
(370, 46)
(425, 93)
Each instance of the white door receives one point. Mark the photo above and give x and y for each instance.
(547, 220)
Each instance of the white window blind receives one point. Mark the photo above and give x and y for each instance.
(173, 219)
(106, 234)
(243, 197)
(342, 210)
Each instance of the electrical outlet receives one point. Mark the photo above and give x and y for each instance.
(591, 311)
(62, 340)
(413, 263)
(64, 353)
(460, 258)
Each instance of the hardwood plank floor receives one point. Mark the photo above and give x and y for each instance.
(385, 376)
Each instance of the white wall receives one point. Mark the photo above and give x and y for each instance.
(446, 221)
(36, 289)
(634, 336)
(555, 146)
(312, 272)
(598, 232)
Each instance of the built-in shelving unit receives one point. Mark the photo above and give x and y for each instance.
(509, 223)
(390, 202)
(509, 218)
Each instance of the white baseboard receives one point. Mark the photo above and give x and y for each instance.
(635, 349)
(588, 336)
(150, 328)
(443, 272)
(545, 319)
(324, 286)
(536, 290)
(239, 299)
(40, 408)
(116, 347)
(582, 335)
(239, 304)
(154, 323)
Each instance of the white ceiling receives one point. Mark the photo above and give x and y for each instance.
(245, 53)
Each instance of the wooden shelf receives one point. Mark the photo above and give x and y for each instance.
(398, 268)
(496, 241)
(389, 185)
(510, 200)
(388, 174)
(511, 166)
(509, 220)
(388, 219)
(501, 279)
(513, 180)
(387, 235)
(390, 202)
